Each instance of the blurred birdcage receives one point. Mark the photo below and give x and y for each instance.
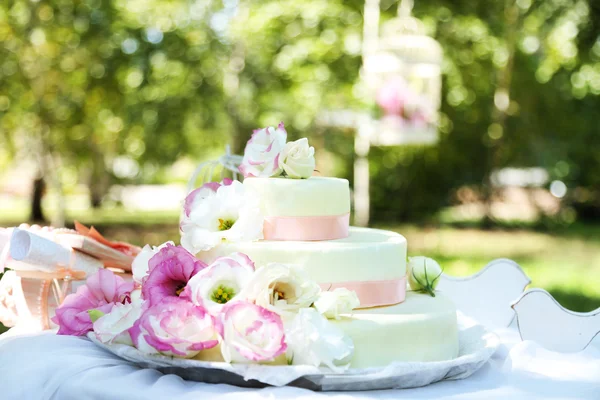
(403, 73)
(226, 166)
(215, 170)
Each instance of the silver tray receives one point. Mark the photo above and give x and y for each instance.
(476, 346)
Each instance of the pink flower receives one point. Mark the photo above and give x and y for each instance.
(262, 153)
(251, 333)
(201, 193)
(392, 96)
(169, 272)
(220, 282)
(175, 327)
(101, 292)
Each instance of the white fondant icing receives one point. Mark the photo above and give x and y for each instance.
(315, 196)
(422, 328)
(365, 255)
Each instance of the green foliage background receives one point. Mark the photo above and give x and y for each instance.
(86, 82)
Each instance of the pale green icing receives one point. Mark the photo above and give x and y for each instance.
(366, 255)
(315, 196)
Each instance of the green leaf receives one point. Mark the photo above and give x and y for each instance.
(95, 315)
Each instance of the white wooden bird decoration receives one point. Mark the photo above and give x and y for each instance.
(542, 319)
(487, 296)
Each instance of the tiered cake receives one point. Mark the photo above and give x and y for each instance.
(306, 223)
(269, 271)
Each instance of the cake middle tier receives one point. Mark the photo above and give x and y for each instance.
(366, 255)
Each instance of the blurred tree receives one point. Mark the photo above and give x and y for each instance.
(111, 90)
(549, 109)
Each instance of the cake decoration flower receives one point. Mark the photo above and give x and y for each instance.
(281, 288)
(101, 292)
(262, 153)
(204, 191)
(423, 274)
(252, 314)
(220, 282)
(175, 327)
(298, 159)
(339, 301)
(251, 333)
(139, 267)
(114, 327)
(170, 270)
(231, 213)
(312, 340)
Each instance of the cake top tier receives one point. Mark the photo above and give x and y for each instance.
(313, 197)
(278, 200)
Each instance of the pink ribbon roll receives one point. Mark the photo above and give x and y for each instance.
(307, 228)
(374, 293)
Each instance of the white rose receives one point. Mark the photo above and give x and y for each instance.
(339, 301)
(423, 274)
(139, 267)
(281, 288)
(298, 159)
(262, 153)
(312, 340)
(114, 326)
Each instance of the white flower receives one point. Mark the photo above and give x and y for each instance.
(232, 213)
(251, 333)
(175, 327)
(139, 267)
(262, 153)
(220, 282)
(339, 301)
(423, 274)
(298, 159)
(114, 326)
(281, 288)
(312, 340)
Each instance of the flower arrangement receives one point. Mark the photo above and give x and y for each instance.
(268, 155)
(181, 307)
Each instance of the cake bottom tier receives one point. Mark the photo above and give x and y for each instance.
(422, 328)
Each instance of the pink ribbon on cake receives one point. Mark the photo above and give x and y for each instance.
(307, 228)
(374, 293)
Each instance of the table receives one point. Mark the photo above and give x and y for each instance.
(47, 366)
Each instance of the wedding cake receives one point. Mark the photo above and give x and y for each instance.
(269, 271)
(306, 223)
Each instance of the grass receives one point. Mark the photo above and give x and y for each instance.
(566, 262)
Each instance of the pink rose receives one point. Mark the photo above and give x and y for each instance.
(101, 292)
(175, 327)
(262, 153)
(251, 333)
(169, 272)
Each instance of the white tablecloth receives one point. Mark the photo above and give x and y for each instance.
(47, 366)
